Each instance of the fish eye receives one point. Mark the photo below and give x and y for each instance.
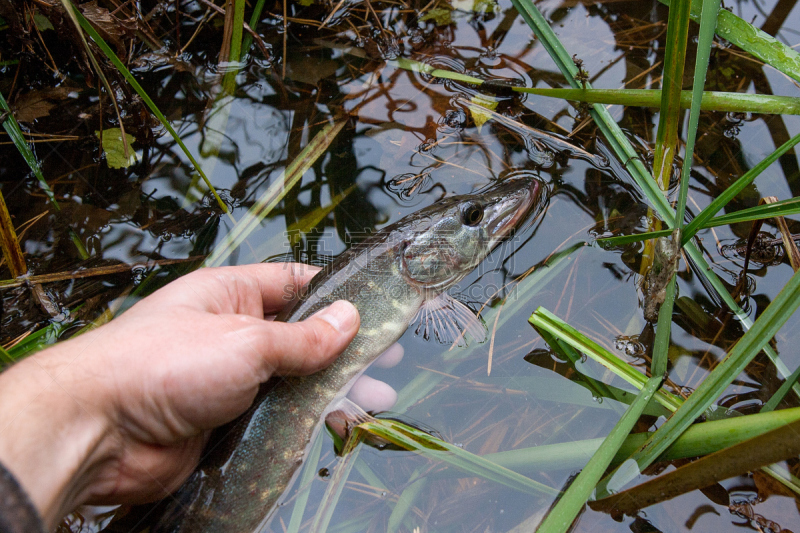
(472, 214)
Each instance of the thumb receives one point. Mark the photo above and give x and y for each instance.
(301, 348)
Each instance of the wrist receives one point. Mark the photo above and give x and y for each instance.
(55, 429)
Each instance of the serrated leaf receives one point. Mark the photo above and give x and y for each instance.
(114, 148)
(481, 103)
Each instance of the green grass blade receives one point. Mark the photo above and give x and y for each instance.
(238, 28)
(281, 185)
(254, 18)
(88, 28)
(770, 321)
(708, 23)
(780, 473)
(759, 212)
(709, 101)
(752, 40)
(306, 478)
(671, 116)
(405, 502)
(663, 329)
(638, 237)
(725, 102)
(781, 393)
(735, 188)
(418, 441)
(336, 483)
(544, 320)
(563, 514)
(697, 440)
(11, 126)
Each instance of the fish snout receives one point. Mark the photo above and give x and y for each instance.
(513, 201)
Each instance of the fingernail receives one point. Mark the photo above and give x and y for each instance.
(341, 315)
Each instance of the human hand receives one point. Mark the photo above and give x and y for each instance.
(121, 413)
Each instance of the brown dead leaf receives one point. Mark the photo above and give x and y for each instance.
(767, 486)
(112, 29)
(37, 104)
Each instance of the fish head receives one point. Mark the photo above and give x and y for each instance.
(447, 240)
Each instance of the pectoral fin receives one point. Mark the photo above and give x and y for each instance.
(448, 320)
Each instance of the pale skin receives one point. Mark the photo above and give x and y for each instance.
(121, 414)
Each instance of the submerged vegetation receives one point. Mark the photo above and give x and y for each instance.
(145, 139)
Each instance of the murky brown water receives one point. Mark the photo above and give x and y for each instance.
(410, 140)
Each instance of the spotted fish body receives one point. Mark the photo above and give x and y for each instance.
(389, 278)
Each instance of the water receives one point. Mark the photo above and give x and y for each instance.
(410, 140)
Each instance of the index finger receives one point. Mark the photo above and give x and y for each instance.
(257, 289)
(282, 283)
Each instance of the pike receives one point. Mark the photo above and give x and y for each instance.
(397, 276)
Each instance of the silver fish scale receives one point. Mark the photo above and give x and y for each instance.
(369, 278)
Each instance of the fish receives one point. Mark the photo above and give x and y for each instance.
(396, 277)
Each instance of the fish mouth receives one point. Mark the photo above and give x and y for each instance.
(512, 203)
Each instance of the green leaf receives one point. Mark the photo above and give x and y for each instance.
(567, 508)
(418, 66)
(485, 6)
(114, 148)
(638, 237)
(478, 106)
(405, 502)
(42, 22)
(440, 16)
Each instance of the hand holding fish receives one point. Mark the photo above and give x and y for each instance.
(122, 413)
